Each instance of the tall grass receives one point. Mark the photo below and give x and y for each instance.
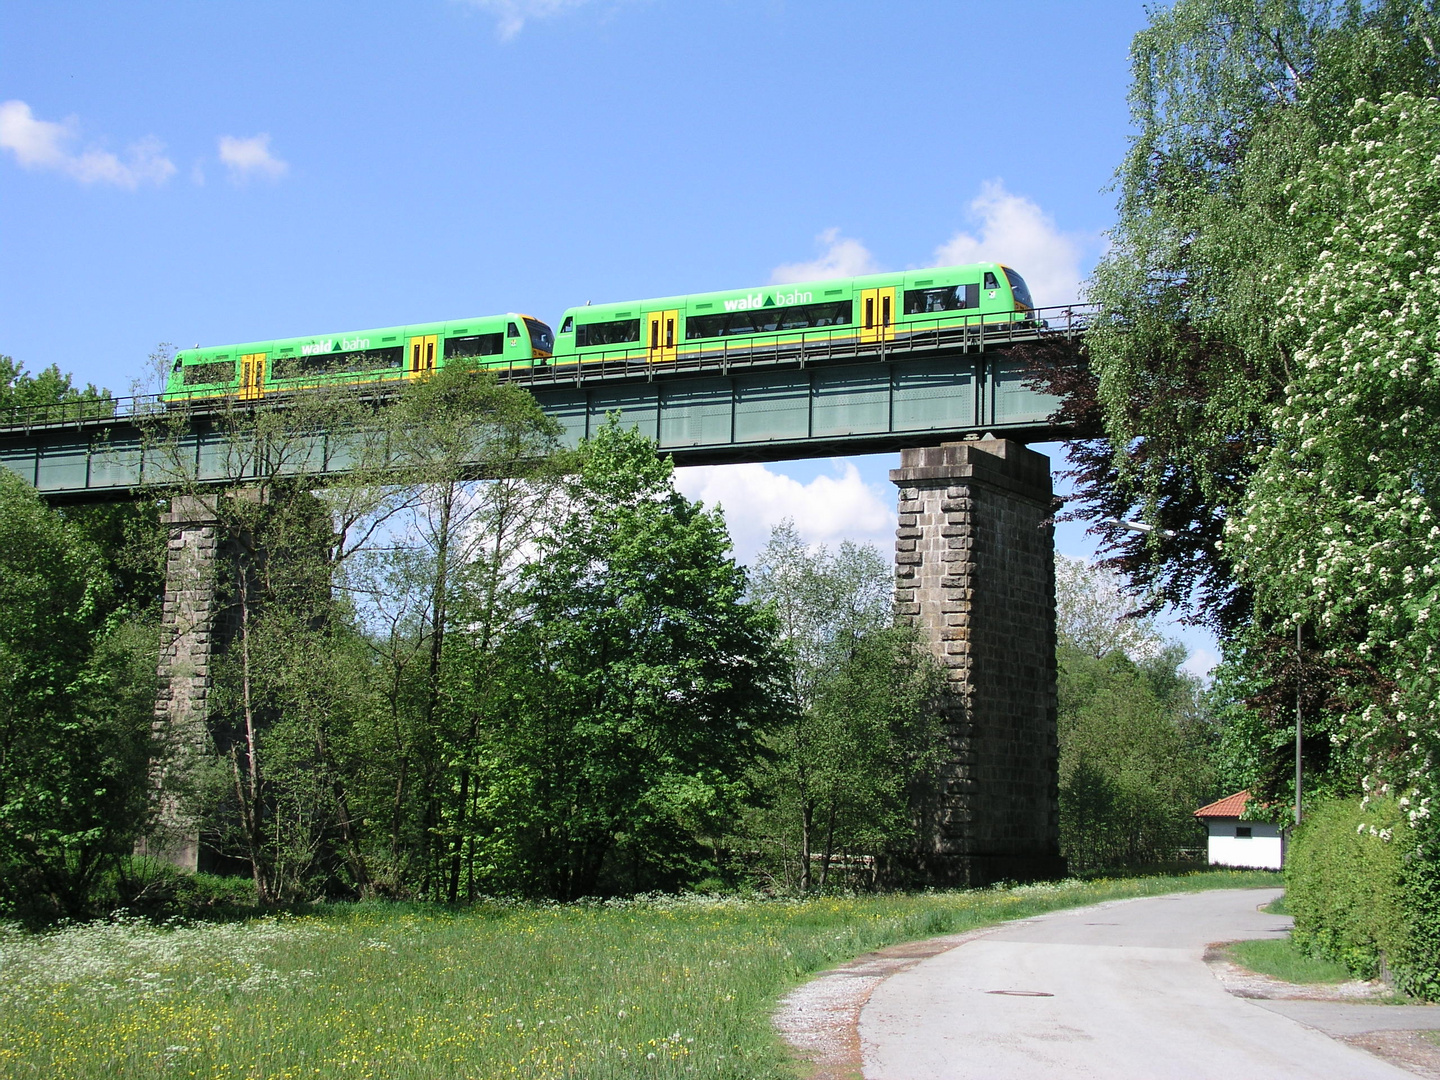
(663, 987)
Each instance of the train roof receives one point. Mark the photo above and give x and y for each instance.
(818, 288)
(377, 337)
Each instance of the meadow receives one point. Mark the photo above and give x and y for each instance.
(657, 987)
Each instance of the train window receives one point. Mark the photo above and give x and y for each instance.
(208, 374)
(294, 367)
(540, 336)
(474, 345)
(511, 330)
(568, 324)
(991, 282)
(607, 333)
(1018, 287)
(769, 320)
(949, 298)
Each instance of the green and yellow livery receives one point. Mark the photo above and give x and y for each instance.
(943, 301)
(254, 369)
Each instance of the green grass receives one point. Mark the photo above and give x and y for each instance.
(1276, 906)
(657, 988)
(1280, 959)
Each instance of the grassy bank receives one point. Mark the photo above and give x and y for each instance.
(663, 988)
(1281, 959)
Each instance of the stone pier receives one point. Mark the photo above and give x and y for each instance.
(975, 572)
(186, 650)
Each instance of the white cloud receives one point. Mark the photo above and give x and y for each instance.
(1015, 231)
(251, 157)
(44, 144)
(841, 257)
(827, 510)
(1201, 663)
(512, 15)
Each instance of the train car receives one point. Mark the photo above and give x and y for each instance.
(256, 368)
(877, 307)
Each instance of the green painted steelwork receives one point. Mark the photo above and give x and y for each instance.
(791, 399)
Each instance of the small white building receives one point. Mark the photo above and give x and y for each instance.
(1257, 845)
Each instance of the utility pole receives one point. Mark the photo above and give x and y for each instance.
(1297, 723)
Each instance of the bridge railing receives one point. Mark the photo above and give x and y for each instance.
(783, 348)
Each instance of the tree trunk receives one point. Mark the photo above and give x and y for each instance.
(829, 846)
(248, 787)
(807, 822)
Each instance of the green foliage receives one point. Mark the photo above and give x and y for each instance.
(419, 992)
(1343, 882)
(1416, 964)
(19, 389)
(1132, 769)
(74, 717)
(860, 734)
(1339, 529)
(640, 683)
(1232, 99)
(1134, 738)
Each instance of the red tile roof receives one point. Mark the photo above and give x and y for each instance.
(1230, 806)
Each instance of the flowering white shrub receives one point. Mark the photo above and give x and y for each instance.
(1341, 525)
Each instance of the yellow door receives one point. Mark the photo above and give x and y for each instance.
(422, 354)
(662, 329)
(252, 376)
(877, 314)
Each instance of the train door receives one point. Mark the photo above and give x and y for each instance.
(422, 354)
(252, 376)
(661, 330)
(877, 314)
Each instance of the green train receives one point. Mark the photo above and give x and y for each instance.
(874, 308)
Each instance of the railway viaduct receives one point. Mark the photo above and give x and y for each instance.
(974, 550)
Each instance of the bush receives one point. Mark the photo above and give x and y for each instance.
(1416, 965)
(157, 890)
(1344, 884)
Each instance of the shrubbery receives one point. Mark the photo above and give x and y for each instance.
(1365, 892)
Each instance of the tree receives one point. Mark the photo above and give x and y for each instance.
(860, 732)
(74, 735)
(1134, 739)
(1231, 99)
(1340, 527)
(639, 683)
(480, 461)
(299, 661)
(20, 390)
(1096, 613)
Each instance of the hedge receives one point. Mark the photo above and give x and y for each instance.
(1365, 891)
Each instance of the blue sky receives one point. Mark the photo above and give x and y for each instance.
(220, 172)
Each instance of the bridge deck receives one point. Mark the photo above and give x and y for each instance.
(810, 399)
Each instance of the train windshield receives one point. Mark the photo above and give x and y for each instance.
(541, 336)
(1018, 287)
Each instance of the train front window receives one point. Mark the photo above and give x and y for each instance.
(950, 298)
(541, 337)
(1018, 287)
